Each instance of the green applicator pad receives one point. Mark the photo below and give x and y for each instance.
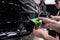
(36, 21)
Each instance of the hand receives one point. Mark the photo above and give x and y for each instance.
(45, 20)
(40, 32)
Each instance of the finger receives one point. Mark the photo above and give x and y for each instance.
(46, 26)
(40, 18)
(55, 17)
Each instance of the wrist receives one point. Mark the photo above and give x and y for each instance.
(45, 36)
(48, 37)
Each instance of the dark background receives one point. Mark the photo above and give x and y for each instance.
(51, 9)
